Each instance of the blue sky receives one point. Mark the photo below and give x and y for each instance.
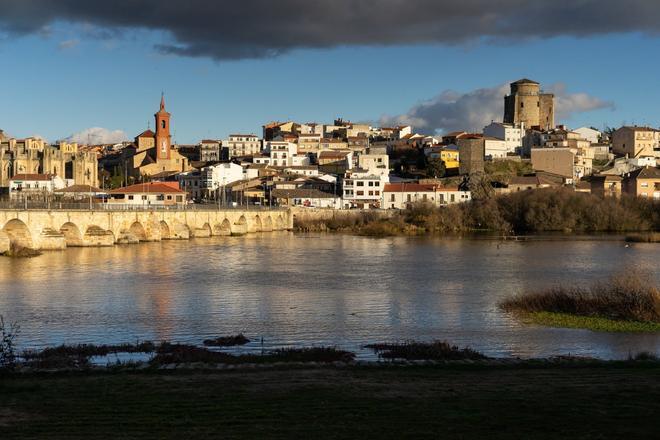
(55, 91)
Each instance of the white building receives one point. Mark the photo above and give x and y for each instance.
(22, 185)
(495, 148)
(377, 164)
(222, 175)
(240, 145)
(363, 189)
(512, 135)
(282, 153)
(590, 134)
(149, 193)
(403, 195)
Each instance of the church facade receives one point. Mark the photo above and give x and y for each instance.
(36, 156)
(154, 154)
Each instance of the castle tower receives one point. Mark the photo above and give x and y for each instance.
(163, 137)
(527, 105)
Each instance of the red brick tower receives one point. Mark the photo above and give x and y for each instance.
(163, 137)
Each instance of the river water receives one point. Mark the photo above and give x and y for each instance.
(290, 289)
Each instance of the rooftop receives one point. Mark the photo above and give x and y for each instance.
(148, 188)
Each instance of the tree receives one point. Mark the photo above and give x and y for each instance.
(436, 168)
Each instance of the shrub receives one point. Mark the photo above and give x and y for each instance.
(8, 334)
(629, 296)
(425, 351)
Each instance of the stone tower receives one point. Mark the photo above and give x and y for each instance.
(163, 137)
(527, 105)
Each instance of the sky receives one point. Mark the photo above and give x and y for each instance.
(96, 71)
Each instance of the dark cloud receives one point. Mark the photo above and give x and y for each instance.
(452, 111)
(265, 28)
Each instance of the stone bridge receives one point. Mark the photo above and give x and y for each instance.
(59, 229)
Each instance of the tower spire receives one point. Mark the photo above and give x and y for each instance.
(162, 101)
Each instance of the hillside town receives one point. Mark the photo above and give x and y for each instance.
(343, 164)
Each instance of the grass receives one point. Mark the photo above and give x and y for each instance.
(626, 302)
(437, 351)
(611, 402)
(564, 320)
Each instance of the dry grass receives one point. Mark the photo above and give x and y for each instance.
(631, 296)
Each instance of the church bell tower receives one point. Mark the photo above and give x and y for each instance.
(163, 137)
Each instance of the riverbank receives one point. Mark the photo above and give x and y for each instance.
(612, 400)
(525, 212)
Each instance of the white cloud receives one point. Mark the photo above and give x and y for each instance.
(98, 135)
(68, 44)
(452, 111)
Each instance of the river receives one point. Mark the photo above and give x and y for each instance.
(290, 289)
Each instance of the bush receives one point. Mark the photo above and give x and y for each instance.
(627, 297)
(227, 341)
(8, 334)
(439, 351)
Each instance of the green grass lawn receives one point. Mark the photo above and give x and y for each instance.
(614, 401)
(590, 323)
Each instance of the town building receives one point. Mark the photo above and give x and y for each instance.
(152, 153)
(404, 195)
(512, 135)
(242, 145)
(636, 142)
(210, 151)
(527, 106)
(606, 185)
(589, 133)
(281, 153)
(643, 182)
(65, 160)
(34, 185)
(149, 194)
(566, 162)
(308, 198)
(363, 189)
(495, 148)
(335, 162)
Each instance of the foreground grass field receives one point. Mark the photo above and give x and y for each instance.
(613, 401)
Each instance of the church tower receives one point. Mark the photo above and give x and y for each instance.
(163, 137)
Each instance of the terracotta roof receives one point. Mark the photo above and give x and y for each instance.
(147, 133)
(33, 177)
(409, 187)
(645, 173)
(149, 188)
(525, 81)
(209, 141)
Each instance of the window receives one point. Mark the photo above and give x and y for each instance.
(144, 197)
(162, 123)
(408, 198)
(360, 184)
(360, 193)
(371, 184)
(392, 198)
(130, 197)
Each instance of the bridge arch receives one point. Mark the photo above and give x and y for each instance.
(222, 229)
(203, 232)
(241, 226)
(19, 234)
(164, 230)
(72, 235)
(138, 231)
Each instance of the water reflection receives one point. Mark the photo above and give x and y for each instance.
(312, 290)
